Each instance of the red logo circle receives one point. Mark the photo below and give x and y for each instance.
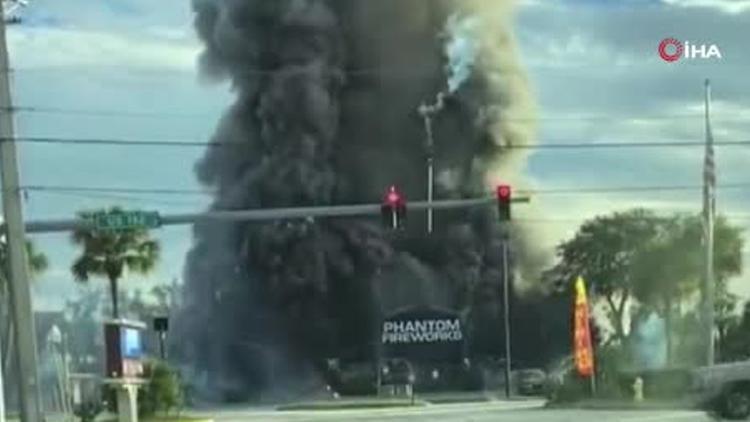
(673, 56)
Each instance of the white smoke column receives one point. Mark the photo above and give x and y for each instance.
(650, 343)
(512, 120)
(462, 49)
(461, 52)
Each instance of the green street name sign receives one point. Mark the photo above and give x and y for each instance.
(126, 220)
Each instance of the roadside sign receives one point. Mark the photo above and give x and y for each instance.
(126, 220)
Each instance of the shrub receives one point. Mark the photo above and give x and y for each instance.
(163, 392)
(88, 410)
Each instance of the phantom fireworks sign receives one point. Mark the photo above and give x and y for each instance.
(672, 50)
(423, 333)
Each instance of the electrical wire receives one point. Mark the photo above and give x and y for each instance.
(136, 191)
(545, 146)
(102, 113)
(627, 189)
(160, 114)
(123, 198)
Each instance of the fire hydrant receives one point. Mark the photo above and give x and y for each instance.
(638, 389)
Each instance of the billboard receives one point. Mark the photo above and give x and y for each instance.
(130, 343)
(423, 334)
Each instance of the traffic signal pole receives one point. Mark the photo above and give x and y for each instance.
(506, 316)
(504, 195)
(271, 214)
(20, 293)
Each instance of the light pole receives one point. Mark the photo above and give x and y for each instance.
(506, 316)
(428, 112)
(2, 381)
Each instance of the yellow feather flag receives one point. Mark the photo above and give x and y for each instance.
(583, 350)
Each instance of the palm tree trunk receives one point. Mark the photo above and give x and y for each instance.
(115, 299)
(7, 345)
(668, 328)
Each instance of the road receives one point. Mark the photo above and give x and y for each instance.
(531, 411)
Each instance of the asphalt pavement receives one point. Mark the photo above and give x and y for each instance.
(528, 411)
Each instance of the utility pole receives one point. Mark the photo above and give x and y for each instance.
(428, 112)
(709, 210)
(506, 316)
(20, 292)
(2, 385)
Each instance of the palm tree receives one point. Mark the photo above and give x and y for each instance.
(110, 253)
(37, 264)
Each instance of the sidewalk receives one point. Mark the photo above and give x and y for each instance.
(613, 404)
(424, 399)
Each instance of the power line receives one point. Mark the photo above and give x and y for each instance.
(547, 146)
(625, 145)
(103, 113)
(627, 189)
(137, 191)
(122, 198)
(117, 142)
(164, 114)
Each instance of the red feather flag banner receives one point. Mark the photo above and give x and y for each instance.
(583, 350)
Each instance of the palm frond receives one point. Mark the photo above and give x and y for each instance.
(37, 260)
(109, 253)
(86, 266)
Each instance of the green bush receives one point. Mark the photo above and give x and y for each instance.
(89, 410)
(163, 392)
(572, 389)
(609, 382)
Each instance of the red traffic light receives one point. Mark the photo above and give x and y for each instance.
(393, 197)
(504, 192)
(394, 208)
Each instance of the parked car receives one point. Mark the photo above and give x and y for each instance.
(531, 382)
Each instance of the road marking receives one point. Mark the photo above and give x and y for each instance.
(662, 417)
(436, 409)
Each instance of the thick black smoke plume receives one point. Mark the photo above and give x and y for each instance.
(326, 113)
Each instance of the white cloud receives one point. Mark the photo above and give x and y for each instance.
(726, 6)
(532, 3)
(63, 47)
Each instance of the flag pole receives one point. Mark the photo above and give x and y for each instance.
(709, 209)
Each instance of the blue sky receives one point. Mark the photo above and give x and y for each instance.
(593, 65)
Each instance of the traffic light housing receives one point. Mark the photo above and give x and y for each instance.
(394, 208)
(161, 324)
(504, 199)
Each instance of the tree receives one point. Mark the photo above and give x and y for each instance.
(110, 253)
(735, 345)
(663, 273)
(726, 319)
(669, 267)
(83, 315)
(601, 252)
(37, 264)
